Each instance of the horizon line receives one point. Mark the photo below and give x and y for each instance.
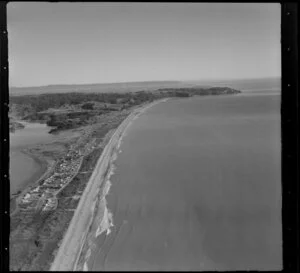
(148, 81)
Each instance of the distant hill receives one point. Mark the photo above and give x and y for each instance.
(123, 87)
(99, 88)
(244, 84)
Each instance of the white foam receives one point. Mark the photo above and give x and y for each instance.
(106, 188)
(107, 219)
(111, 171)
(113, 157)
(119, 143)
(105, 224)
(85, 267)
(88, 254)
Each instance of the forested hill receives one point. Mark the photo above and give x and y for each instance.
(99, 88)
(70, 110)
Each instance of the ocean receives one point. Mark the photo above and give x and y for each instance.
(197, 186)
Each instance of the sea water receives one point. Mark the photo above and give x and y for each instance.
(198, 187)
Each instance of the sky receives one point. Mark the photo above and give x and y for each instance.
(81, 43)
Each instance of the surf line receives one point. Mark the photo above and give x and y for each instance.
(102, 222)
(104, 214)
(102, 219)
(75, 236)
(106, 219)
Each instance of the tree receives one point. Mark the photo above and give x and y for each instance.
(181, 94)
(112, 100)
(88, 106)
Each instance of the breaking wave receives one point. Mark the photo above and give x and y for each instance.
(107, 220)
(103, 218)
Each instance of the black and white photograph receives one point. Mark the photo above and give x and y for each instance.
(145, 136)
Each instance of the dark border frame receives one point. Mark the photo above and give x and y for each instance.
(290, 136)
(289, 123)
(4, 144)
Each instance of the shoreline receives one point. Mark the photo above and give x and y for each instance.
(70, 248)
(41, 162)
(43, 165)
(44, 162)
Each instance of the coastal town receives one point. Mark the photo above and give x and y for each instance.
(42, 197)
(42, 212)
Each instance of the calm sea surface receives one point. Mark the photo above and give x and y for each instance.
(198, 187)
(23, 168)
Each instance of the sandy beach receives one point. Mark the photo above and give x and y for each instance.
(75, 236)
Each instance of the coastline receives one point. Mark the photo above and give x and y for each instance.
(44, 163)
(43, 168)
(71, 246)
(131, 201)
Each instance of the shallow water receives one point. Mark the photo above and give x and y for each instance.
(197, 187)
(23, 168)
